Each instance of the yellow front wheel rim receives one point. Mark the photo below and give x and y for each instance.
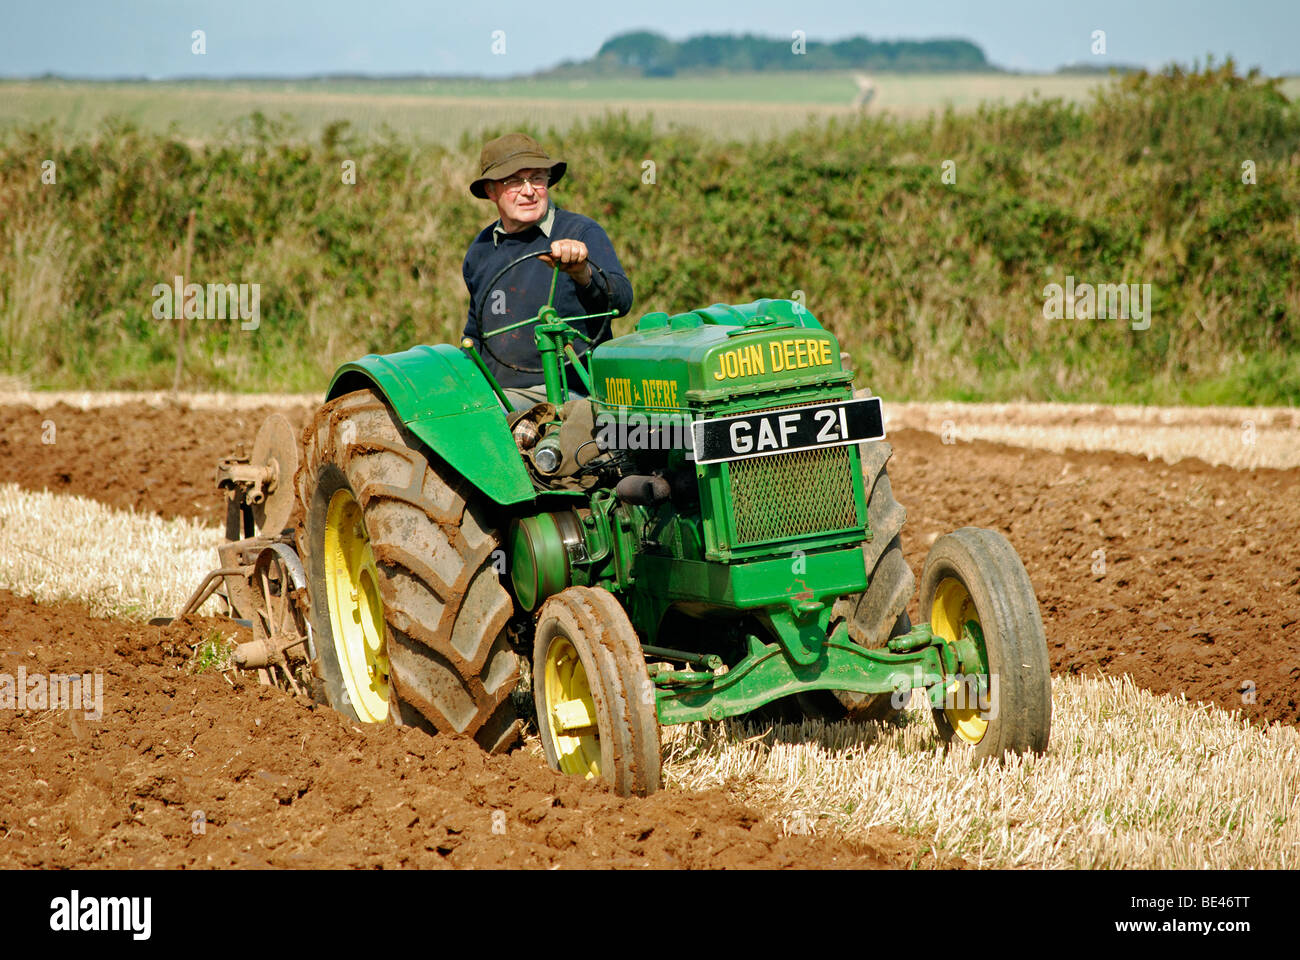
(571, 711)
(951, 609)
(356, 608)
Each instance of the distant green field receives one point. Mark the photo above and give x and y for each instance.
(822, 88)
(736, 105)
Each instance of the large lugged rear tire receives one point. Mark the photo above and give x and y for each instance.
(408, 608)
(979, 599)
(879, 612)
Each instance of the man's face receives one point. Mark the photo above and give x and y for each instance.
(520, 204)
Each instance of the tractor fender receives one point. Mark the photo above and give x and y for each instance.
(442, 398)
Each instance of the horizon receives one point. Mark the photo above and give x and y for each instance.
(150, 40)
(539, 74)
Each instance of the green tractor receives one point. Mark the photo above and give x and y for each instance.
(709, 532)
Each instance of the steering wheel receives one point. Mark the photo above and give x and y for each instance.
(550, 302)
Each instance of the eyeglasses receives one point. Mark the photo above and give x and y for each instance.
(538, 180)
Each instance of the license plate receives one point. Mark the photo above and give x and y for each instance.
(785, 431)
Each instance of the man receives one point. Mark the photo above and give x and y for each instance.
(516, 174)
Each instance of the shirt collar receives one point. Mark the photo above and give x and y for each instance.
(545, 225)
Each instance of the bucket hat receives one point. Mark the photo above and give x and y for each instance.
(508, 155)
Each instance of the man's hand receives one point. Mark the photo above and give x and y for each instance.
(571, 257)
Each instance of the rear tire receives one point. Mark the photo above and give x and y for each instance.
(595, 701)
(396, 543)
(975, 589)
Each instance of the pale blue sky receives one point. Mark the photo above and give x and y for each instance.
(104, 38)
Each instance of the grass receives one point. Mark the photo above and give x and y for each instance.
(215, 653)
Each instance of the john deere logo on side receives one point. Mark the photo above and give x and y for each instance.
(652, 394)
(791, 353)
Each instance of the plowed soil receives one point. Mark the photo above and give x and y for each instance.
(1185, 576)
(160, 458)
(186, 770)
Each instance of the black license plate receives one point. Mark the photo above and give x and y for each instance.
(785, 431)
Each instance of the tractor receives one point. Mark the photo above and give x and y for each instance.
(708, 532)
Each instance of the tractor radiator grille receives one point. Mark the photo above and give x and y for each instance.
(792, 494)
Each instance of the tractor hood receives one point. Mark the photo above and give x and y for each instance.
(715, 353)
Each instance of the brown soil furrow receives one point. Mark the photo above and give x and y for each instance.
(275, 781)
(132, 456)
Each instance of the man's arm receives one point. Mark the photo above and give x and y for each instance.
(595, 297)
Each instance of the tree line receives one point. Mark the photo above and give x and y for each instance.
(654, 55)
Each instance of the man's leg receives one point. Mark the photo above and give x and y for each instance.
(521, 398)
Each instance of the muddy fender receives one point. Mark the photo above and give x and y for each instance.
(441, 397)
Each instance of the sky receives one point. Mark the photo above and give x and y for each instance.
(152, 38)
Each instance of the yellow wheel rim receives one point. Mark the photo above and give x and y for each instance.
(356, 608)
(571, 711)
(951, 610)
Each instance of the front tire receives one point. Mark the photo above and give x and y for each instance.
(595, 701)
(981, 602)
(407, 606)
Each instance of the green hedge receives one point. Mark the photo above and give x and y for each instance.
(936, 288)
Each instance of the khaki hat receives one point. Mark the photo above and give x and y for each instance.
(510, 154)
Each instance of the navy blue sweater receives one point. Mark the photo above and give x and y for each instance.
(522, 291)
